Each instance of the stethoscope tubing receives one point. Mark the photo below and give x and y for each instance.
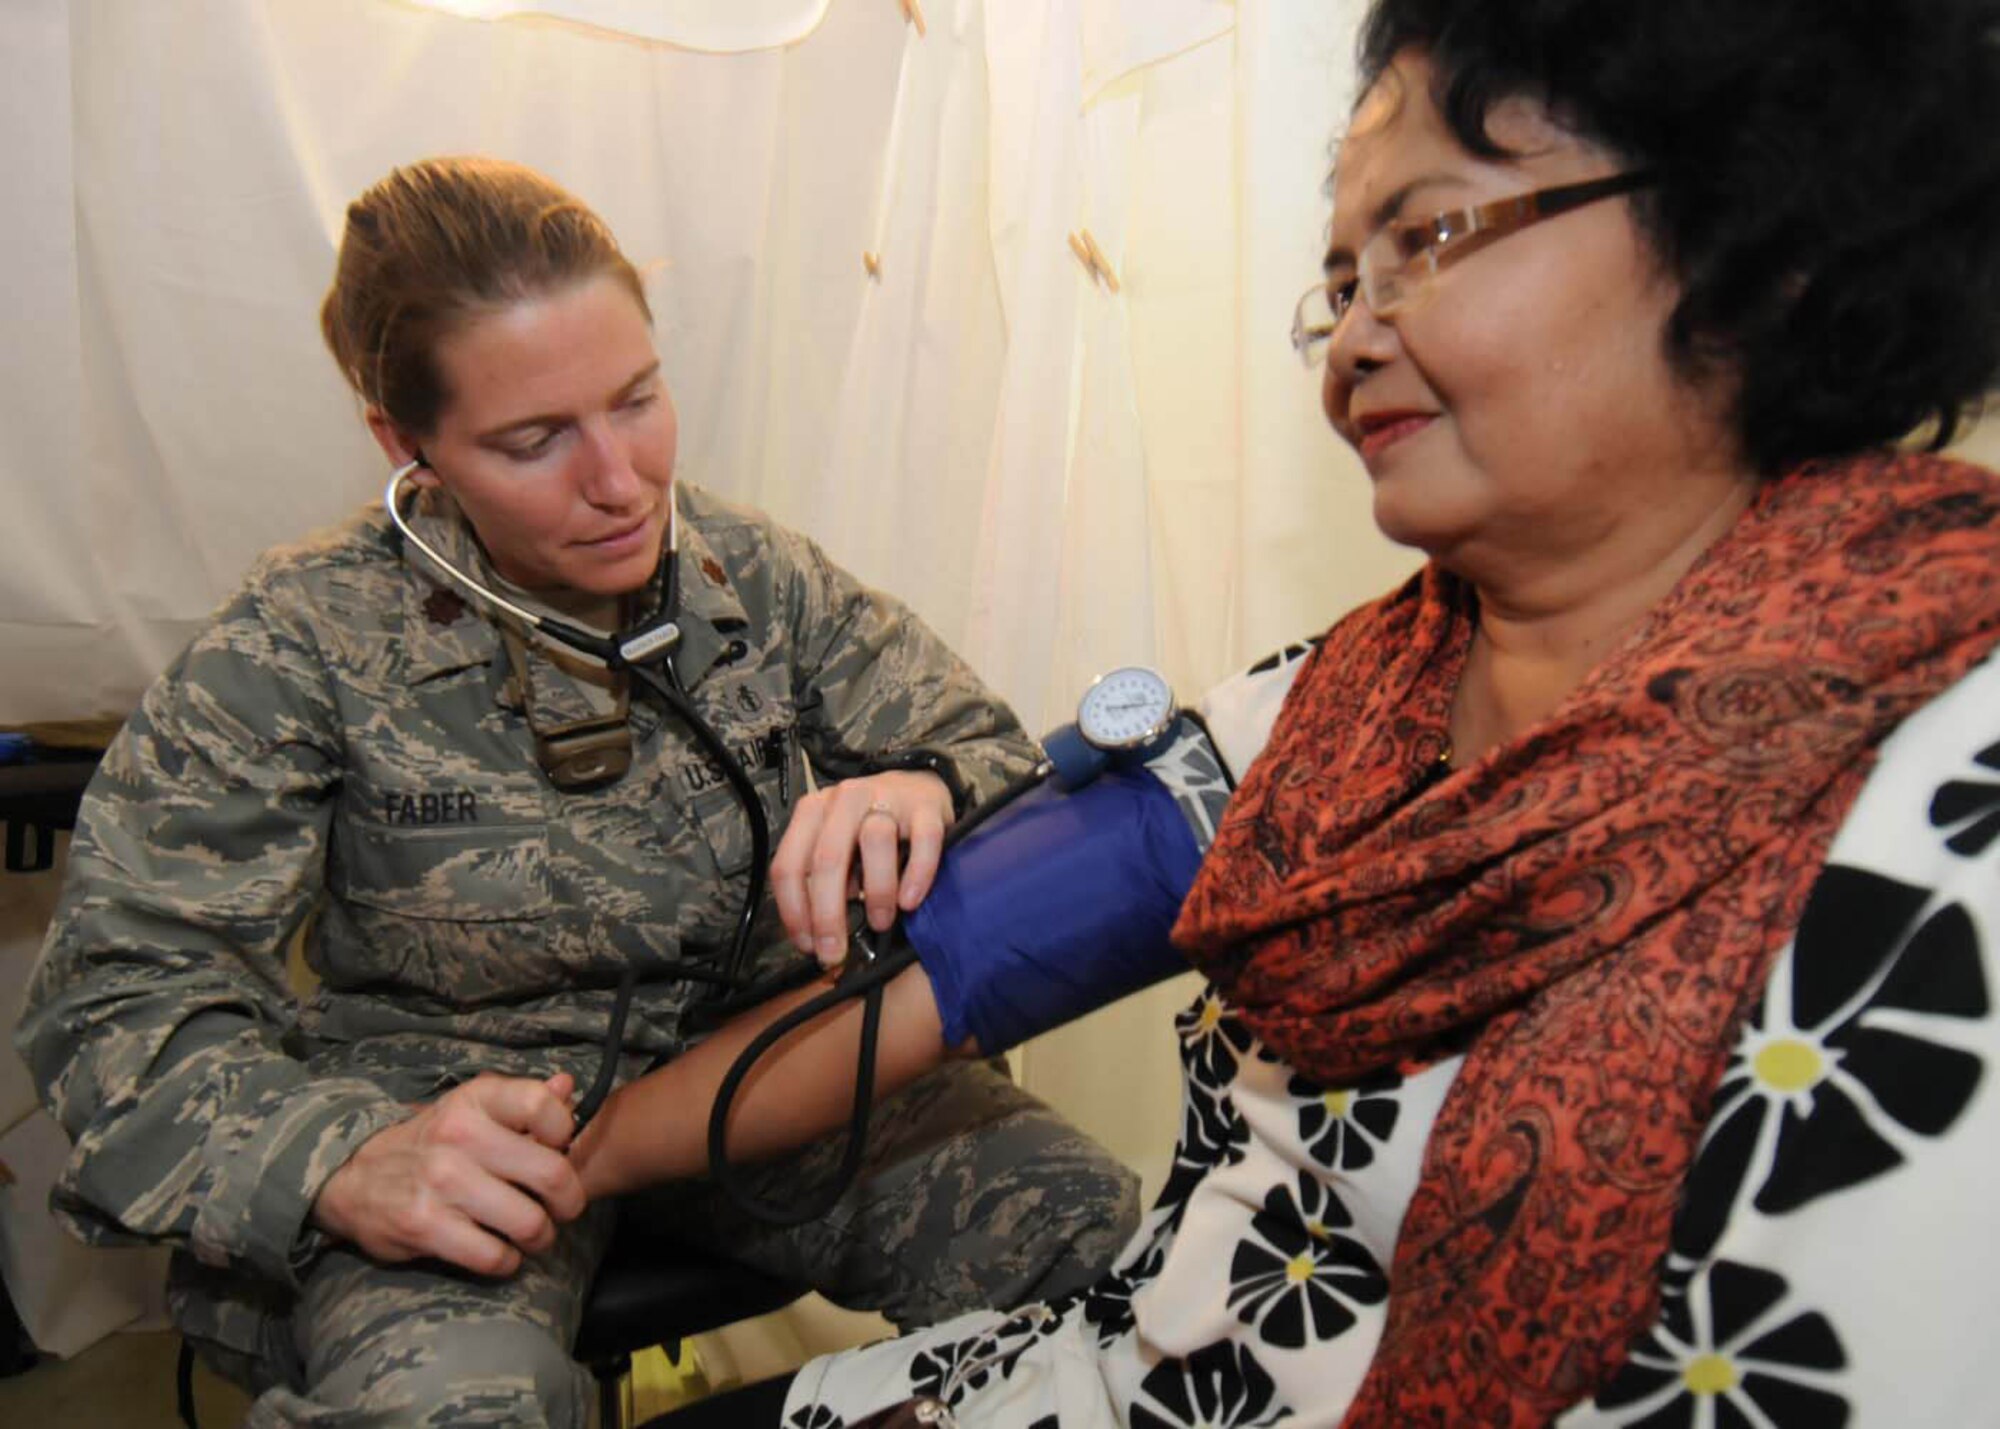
(635, 653)
(866, 977)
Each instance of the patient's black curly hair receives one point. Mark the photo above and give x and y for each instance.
(1828, 195)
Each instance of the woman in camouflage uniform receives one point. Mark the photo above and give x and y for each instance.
(368, 1186)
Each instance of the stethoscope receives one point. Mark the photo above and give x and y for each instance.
(876, 958)
(636, 652)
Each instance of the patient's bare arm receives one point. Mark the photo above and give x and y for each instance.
(656, 1128)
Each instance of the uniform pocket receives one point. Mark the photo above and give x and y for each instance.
(459, 875)
(460, 914)
(725, 823)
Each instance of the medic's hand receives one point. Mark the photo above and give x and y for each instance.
(476, 1178)
(880, 816)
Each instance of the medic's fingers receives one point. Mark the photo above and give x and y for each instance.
(832, 860)
(518, 1104)
(516, 1155)
(792, 863)
(920, 867)
(459, 1240)
(503, 1208)
(878, 838)
(816, 873)
(546, 1175)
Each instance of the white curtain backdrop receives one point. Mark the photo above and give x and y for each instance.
(1059, 476)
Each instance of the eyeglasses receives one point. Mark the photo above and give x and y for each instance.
(1398, 264)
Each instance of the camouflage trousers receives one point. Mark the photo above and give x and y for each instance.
(972, 1194)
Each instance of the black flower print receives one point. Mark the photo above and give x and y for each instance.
(1342, 1128)
(1107, 1305)
(1973, 805)
(1848, 1057)
(950, 1372)
(1192, 1163)
(1213, 1133)
(945, 1371)
(1185, 1174)
(815, 1416)
(1212, 1042)
(1729, 1352)
(1213, 1130)
(1296, 1277)
(1219, 1387)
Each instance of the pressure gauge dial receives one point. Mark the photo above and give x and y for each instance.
(1128, 708)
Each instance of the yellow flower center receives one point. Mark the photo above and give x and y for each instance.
(1211, 1014)
(1711, 1374)
(1300, 1269)
(1337, 1103)
(1790, 1066)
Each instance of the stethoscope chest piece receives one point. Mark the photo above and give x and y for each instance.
(661, 639)
(587, 756)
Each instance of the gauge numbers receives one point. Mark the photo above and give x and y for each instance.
(1126, 708)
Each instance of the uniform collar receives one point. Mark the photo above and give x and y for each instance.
(711, 611)
(444, 631)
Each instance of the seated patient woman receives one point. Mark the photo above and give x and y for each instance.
(1601, 950)
(482, 836)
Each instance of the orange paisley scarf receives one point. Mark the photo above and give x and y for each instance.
(1588, 911)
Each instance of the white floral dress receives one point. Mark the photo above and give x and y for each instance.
(1836, 1259)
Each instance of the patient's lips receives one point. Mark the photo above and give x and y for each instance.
(1375, 432)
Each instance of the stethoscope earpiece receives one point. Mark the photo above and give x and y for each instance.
(577, 639)
(654, 641)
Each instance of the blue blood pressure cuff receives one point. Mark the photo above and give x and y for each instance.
(1063, 901)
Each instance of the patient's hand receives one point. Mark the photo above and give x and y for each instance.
(814, 873)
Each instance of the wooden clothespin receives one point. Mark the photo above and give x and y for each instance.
(1099, 261)
(873, 263)
(913, 11)
(1092, 257)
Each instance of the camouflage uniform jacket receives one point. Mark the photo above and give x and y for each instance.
(346, 739)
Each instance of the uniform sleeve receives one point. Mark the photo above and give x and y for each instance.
(878, 689)
(159, 1026)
